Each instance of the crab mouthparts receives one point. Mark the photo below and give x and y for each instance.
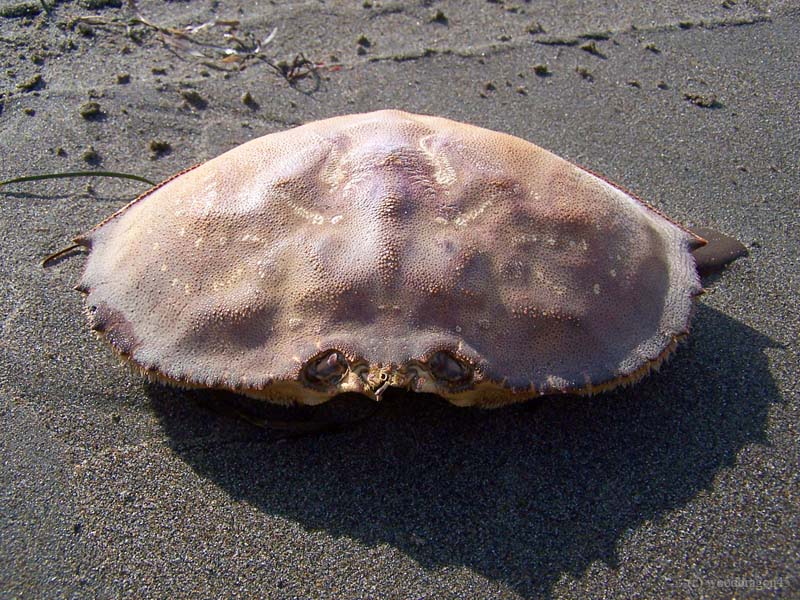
(380, 379)
(379, 392)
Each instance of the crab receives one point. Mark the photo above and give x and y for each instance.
(390, 250)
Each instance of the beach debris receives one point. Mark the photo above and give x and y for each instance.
(542, 70)
(16, 10)
(35, 82)
(193, 99)
(218, 43)
(596, 35)
(388, 249)
(91, 156)
(91, 111)
(159, 148)
(585, 73)
(248, 100)
(439, 17)
(299, 69)
(591, 48)
(100, 4)
(702, 100)
(362, 45)
(534, 28)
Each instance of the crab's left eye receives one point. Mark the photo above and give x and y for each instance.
(447, 368)
(328, 369)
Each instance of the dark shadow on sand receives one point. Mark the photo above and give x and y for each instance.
(519, 495)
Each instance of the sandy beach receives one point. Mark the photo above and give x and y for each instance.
(684, 486)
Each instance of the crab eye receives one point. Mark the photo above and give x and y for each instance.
(446, 368)
(328, 369)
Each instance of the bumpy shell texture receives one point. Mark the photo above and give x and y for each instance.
(390, 240)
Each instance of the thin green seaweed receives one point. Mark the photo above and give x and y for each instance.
(48, 260)
(76, 174)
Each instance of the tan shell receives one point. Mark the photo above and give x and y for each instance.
(388, 238)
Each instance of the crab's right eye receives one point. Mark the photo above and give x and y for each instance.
(327, 369)
(447, 368)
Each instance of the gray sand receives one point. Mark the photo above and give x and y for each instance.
(683, 486)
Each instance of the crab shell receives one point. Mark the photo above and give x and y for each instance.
(390, 249)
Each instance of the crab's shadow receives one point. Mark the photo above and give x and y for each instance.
(519, 495)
